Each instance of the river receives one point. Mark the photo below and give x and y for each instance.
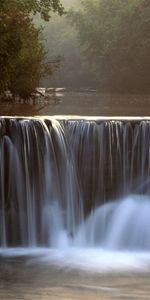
(31, 279)
(88, 103)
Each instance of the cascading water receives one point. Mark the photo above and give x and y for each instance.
(39, 189)
(74, 183)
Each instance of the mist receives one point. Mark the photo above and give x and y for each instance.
(62, 44)
(100, 44)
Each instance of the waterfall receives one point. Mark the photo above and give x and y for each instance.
(74, 183)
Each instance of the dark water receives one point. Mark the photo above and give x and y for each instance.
(23, 278)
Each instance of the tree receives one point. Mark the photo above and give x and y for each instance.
(43, 7)
(21, 49)
(115, 38)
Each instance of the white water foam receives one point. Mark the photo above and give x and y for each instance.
(89, 260)
(114, 238)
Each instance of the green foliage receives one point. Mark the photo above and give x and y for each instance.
(115, 39)
(21, 47)
(28, 65)
(43, 7)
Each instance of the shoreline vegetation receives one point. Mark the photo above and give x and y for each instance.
(23, 60)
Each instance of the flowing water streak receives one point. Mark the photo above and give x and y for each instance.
(40, 197)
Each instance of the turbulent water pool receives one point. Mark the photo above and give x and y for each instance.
(41, 277)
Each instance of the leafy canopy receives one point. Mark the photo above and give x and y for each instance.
(21, 48)
(44, 7)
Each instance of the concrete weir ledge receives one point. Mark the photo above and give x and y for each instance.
(86, 118)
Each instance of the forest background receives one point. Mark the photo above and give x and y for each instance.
(88, 44)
